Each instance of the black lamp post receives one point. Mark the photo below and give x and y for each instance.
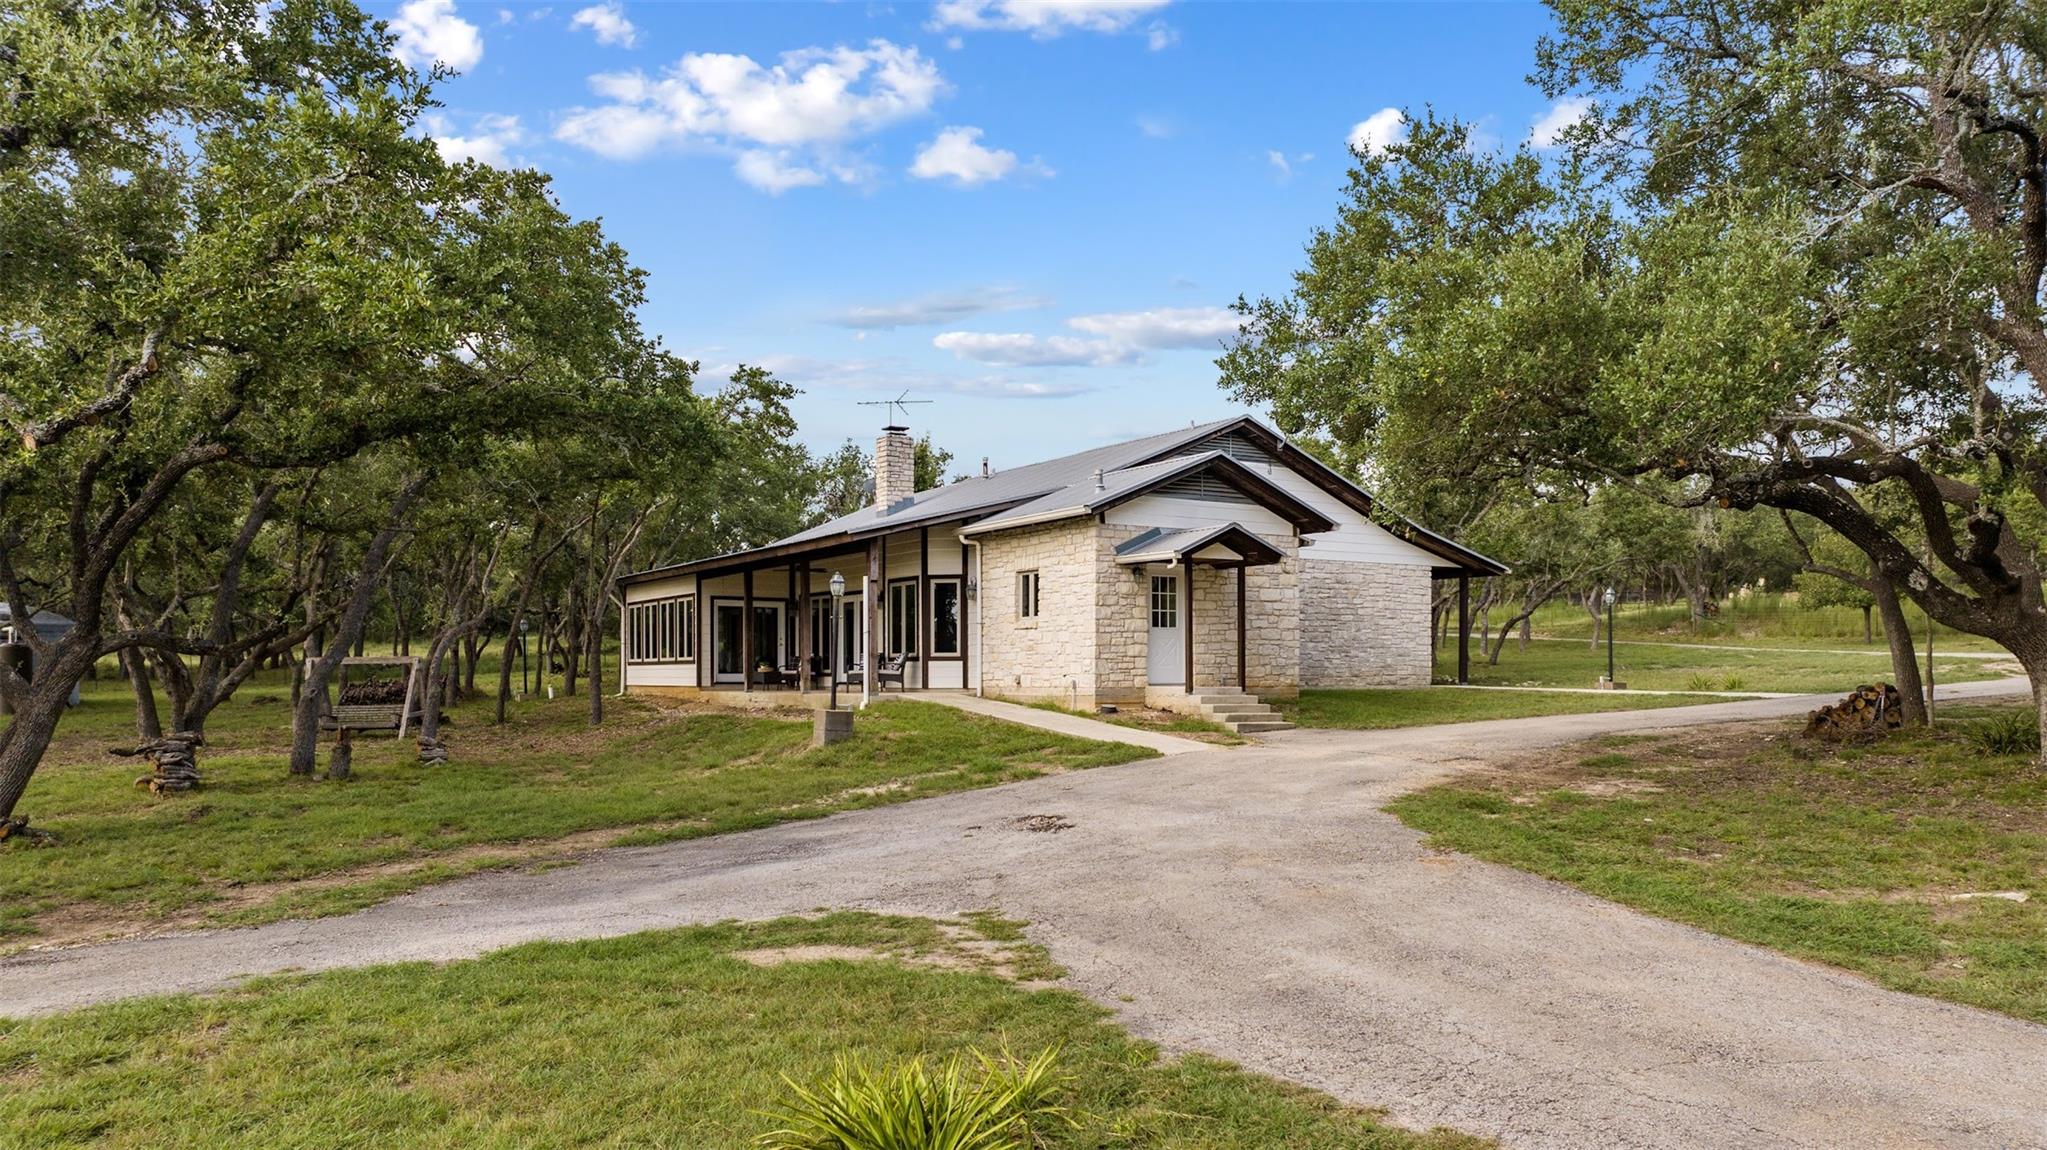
(838, 586)
(1609, 636)
(525, 625)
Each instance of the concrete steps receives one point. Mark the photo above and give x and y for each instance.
(1237, 711)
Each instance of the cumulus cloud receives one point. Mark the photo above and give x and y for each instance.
(947, 307)
(956, 154)
(1020, 349)
(891, 375)
(608, 22)
(1378, 131)
(1165, 327)
(429, 31)
(786, 125)
(488, 140)
(1045, 19)
(1563, 115)
(1279, 164)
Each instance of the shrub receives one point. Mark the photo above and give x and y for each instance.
(2015, 732)
(911, 1106)
(1733, 683)
(1699, 683)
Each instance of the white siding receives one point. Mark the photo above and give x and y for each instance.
(1170, 512)
(1356, 538)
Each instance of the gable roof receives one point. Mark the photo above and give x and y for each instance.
(1070, 477)
(1084, 498)
(1161, 544)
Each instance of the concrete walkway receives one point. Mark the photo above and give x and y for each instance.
(1258, 904)
(1067, 724)
(1870, 650)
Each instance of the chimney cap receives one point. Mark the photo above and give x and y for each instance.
(895, 427)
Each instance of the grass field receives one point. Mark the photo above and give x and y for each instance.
(1765, 620)
(1676, 667)
(660, 1039)
(1899, 860)
(254, 843)
(1381, 708)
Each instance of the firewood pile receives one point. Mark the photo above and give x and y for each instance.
(373, 692)
(176, 766)
(432, 752)
(17, 830)
(1866, 712)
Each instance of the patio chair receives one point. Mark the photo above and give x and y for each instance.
(889, 670)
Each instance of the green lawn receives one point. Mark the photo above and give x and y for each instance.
(1849, 855)
(254, 843)
(1767, 620)
(661, 1039)
(1383, 707)
(1673, 667)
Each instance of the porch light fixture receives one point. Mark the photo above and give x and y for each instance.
(1609, 636)
(838, 586)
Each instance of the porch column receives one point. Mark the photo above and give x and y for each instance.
(871, 606)
(1187, 616)
(1242, 683)
(799, 595)
(1463, 627)
(746, 629)
(923, 627)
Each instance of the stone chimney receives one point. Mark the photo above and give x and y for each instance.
(895, 467)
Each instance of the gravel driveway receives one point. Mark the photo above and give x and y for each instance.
(1257, 904)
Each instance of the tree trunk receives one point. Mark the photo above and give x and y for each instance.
(1868, 635)
(1595, 606)
(148, 724)
(305, 719)
(37, 711)
(1904, 661)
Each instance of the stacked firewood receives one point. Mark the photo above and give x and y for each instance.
(432, 752)
(176, 767)
(1864, 713)
(373, 692)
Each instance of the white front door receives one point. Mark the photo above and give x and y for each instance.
(1168, 641)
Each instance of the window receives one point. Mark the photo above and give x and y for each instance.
(1165, 602)
(1027, 594)
(945, 617)
(662, 630)
(902, 619)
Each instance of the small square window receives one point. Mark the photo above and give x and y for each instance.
(1027, 595)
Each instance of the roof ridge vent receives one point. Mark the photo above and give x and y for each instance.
(1100, 483)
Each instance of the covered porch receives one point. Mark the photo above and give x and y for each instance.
(1177, 626)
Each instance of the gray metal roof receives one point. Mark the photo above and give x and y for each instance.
(1160, 543)
(1061, 486)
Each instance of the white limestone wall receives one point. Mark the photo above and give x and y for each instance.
(1051, 655)
(1363, 624)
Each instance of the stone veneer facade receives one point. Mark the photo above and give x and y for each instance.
(1090, 642)
(1364, 624)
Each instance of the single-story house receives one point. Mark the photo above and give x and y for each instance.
(1215, 556)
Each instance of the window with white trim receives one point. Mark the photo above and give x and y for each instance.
(1165, 602)
(902, 619)
(1027, 594)
(662, 630)
(945, 618)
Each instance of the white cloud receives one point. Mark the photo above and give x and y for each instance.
(1157, 127)
(1045, 19)
(891, 375)
(1378, 131)
(774, 172)
(1165, 327)
(786, 124)
(1159, 36)
(428, 31)
(490, 139)
(956, 154)
(608, 21)
(1279, 164)
(1019, 349)
(1564, 114)
(948, 307)
(506, 16)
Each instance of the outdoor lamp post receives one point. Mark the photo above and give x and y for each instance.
(525, 625)
(838, 586)
(1609, 636)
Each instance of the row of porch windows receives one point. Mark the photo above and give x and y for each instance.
(665, 630)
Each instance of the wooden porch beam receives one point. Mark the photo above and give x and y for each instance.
(746, 629)
(1242, 571)
(1463, 628)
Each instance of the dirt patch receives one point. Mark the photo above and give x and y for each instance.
(783, 955)
(1041, 824)
(963, 949)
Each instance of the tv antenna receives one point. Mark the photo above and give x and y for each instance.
(900, 404)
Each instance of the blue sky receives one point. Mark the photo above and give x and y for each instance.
(1029, 214)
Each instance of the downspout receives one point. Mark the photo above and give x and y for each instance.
(977, 652)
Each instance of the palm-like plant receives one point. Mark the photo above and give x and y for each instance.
(913, 1106)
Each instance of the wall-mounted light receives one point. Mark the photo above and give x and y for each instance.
(973, 589)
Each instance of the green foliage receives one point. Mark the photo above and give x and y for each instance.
(913, 1106)
(2008, 732)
